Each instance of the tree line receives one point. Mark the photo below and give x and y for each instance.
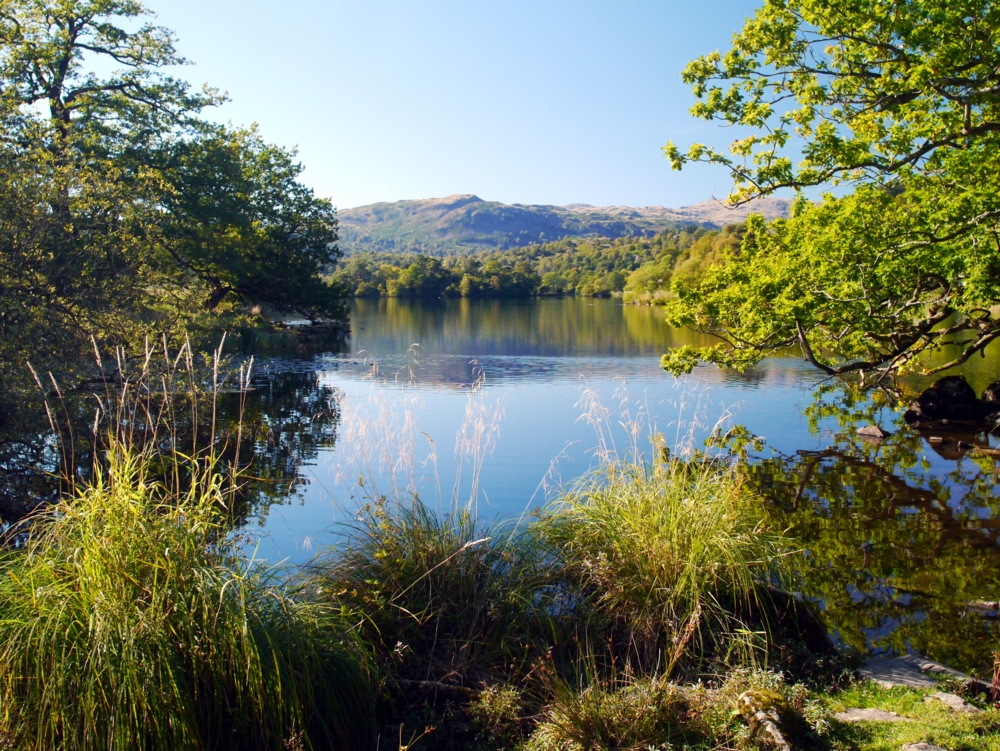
(640, 269)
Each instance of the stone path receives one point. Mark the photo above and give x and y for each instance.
(955, 702)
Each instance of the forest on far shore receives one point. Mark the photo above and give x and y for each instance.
(639, 268)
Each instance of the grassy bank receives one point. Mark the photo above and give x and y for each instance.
(128, 621)
(644, 609)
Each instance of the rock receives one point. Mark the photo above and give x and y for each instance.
(954, 701)
(870, 715)
(951, 398)
(991, 393)
(764, 717)
(936, 439)
(873, 431)
(984, 607)
(910, 670)
(922, 746)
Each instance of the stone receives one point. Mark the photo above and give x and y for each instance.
(909, 670)
(985, 607)
(954, 701)
(873, 431)
(870, 715)
(922, 746)
(950, 398)
(991, 393)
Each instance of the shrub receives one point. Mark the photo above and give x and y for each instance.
(128, 621)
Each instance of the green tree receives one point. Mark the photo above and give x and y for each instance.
(898, 100)
(240, 225)
(124, 213)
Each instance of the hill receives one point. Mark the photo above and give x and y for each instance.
(463, 224)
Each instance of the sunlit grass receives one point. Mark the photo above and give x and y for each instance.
(673, 557)
(128, 622)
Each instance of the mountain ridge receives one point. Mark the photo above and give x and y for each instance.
(464, 223)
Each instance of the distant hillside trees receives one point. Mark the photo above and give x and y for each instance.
(640, 269)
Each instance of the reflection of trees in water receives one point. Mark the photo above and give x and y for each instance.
(287, 417)
(535, 327)
(896, 551)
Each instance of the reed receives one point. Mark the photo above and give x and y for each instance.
(129, 621)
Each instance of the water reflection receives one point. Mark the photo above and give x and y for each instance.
(902, 534)
(444, 342)
(272, 430)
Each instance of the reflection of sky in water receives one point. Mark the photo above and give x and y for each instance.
(542, 440)
(537, 358)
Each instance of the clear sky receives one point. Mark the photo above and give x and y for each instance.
(520, 101)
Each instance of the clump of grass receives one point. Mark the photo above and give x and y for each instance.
(626, 712)
(672, 558)
(127, 621)
(442, 599)
(641, 714)
(499, 714)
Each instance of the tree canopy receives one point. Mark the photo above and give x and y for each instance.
(895, 106)
(639, 268)
(125, 212)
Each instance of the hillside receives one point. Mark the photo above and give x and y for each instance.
(462, 224)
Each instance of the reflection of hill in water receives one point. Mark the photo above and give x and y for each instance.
(534, 327)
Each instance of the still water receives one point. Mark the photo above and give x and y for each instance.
(498, 405)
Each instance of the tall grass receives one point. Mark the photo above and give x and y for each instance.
(442, 599)
(673, 557)
(131, 619)
(128, 622)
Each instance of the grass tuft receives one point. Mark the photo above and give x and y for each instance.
(127, 621)
(442, 599)
(674, 559)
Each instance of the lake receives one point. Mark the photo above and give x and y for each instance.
(498, 405)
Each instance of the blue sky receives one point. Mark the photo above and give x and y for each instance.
(538, 101)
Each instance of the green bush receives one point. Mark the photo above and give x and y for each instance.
(129, 622)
